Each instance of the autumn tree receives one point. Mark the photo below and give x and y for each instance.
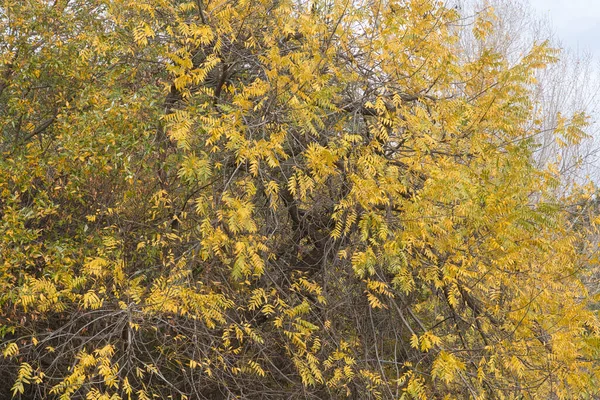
(275, 199)
(565, 89)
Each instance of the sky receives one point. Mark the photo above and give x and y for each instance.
(577, 22)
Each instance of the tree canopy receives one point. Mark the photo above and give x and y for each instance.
(275, 199)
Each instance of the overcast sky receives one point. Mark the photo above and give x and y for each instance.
(577, 22)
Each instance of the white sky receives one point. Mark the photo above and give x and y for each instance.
(577, 22)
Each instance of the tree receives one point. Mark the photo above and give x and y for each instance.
(280, 199)
(564, 90)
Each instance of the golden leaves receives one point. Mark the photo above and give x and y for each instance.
(336, 188)
(142, 33)
(11, 350)
(446, 367)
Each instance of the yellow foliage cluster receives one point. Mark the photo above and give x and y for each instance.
(283, 199)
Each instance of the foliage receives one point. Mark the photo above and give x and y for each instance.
(275, 199)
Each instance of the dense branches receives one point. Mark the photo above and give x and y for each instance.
(269, 199)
